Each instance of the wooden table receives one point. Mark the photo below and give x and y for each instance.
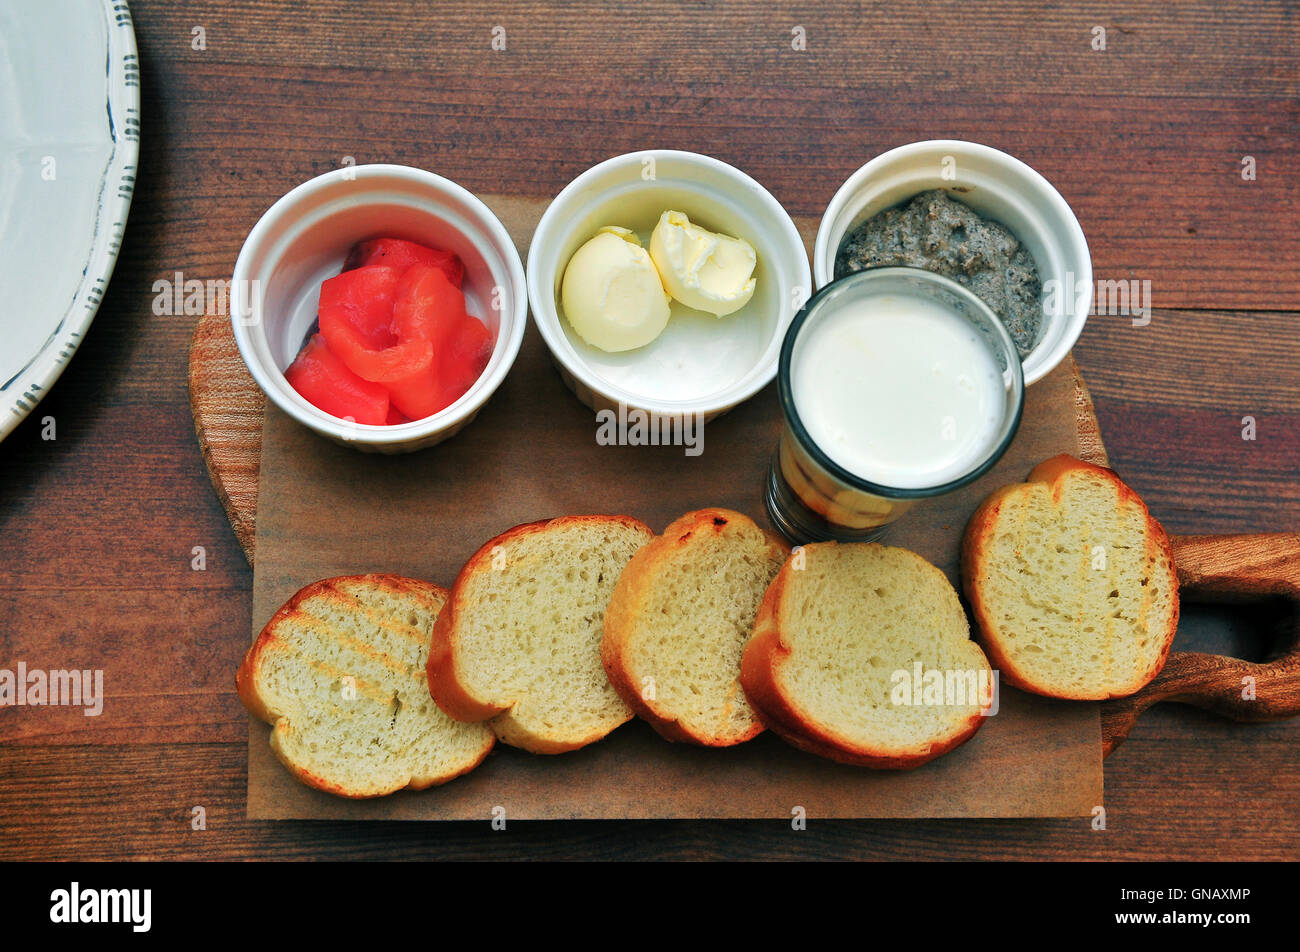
(102, 527)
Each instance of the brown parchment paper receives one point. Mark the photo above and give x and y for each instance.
(326, 510)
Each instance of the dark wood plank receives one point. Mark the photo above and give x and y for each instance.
(1199, 360)
(167, 654)
(136, 802)
(1172, 398)
(1154, 181)
(1195, 47)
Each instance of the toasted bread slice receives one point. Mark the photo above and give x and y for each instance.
(847, 647)
(679, 619)
(518, 643)
(1071, 583)
(339, 673)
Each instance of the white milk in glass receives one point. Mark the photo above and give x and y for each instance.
(898, 390)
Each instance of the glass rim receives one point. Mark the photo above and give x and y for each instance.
(806, 442)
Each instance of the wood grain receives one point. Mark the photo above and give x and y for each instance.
(1144, 140)
(1170, 201)
(1232, 568)
(1012, 47)
(227, 406)
(136, 802)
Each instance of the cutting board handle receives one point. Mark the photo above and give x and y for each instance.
(1236, 568)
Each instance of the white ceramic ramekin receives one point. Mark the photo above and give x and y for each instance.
(996, 186)
(303, 239)
(700, 365)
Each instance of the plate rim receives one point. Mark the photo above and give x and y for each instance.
(33, 381)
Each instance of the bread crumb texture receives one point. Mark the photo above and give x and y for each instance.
(339, 672)
(528, 618)
(679, 620)
(842, 635)
(1073, 584)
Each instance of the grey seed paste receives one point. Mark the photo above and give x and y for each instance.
(935, 232)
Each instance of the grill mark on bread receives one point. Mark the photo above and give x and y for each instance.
(375, 615)
(367, 686)
(389, 734)
(353, 644)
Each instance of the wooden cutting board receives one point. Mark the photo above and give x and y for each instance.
(228, 411)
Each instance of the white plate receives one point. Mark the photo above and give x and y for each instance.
(69, 140)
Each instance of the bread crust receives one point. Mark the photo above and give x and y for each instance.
(760, 675)
(448, 689)
(625, 608)
(246, 677)
(974, 548)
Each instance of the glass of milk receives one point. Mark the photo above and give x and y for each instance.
(897, 385)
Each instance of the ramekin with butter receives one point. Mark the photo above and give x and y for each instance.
(616, 294)
(729, 262)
